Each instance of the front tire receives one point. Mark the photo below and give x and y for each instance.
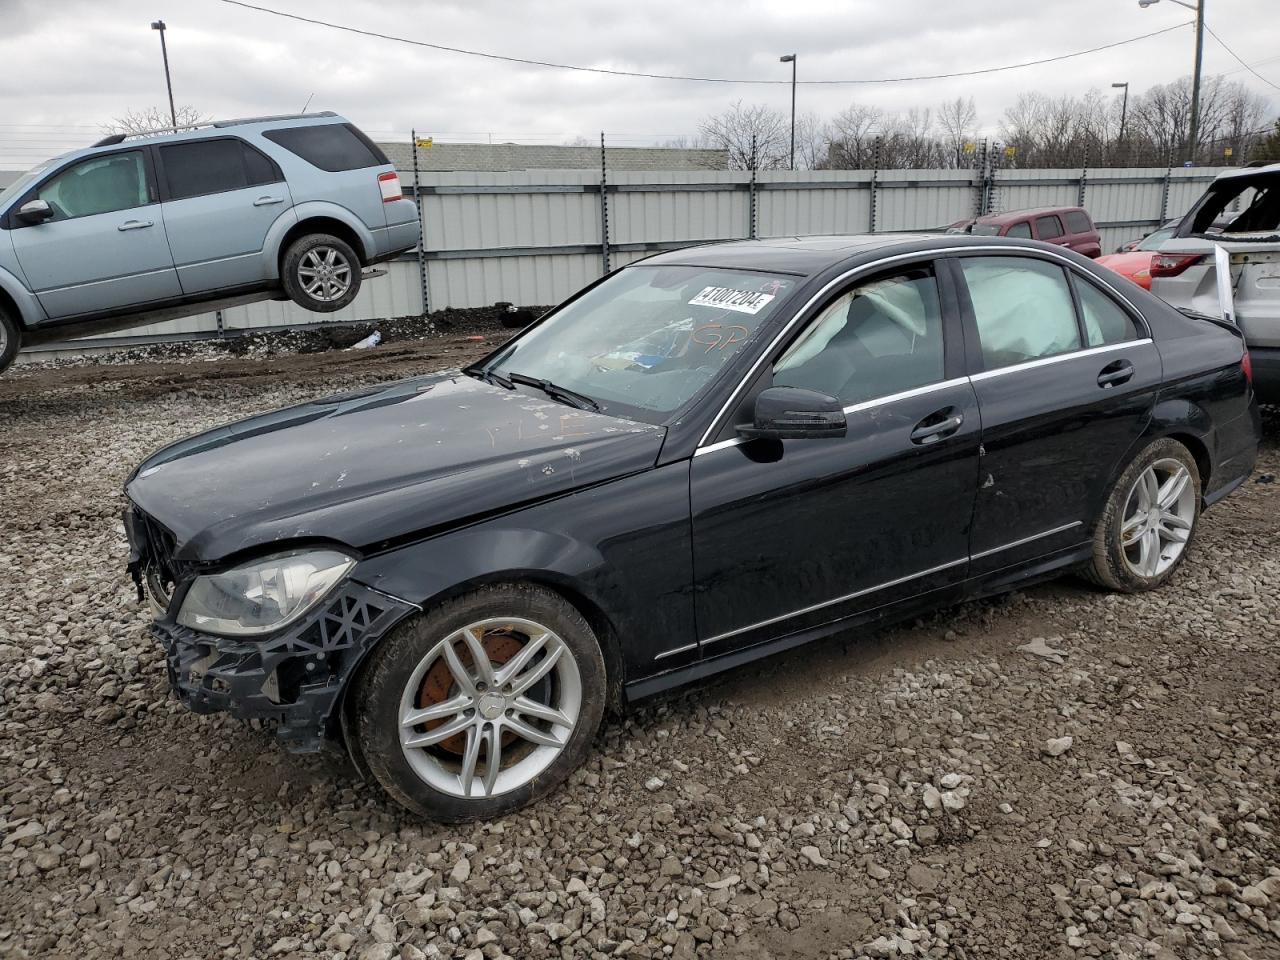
(10, 339)
(320, 273)
(1149, 520)
(482, 705)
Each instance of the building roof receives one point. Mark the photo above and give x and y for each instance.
(496, 157)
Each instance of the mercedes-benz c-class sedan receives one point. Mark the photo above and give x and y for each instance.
(703, 458)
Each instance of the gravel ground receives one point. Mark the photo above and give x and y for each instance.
(1056, 773)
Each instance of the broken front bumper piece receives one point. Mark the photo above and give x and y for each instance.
(293, 678)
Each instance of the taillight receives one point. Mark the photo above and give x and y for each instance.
(1172, 264)
(1247, 366)
(389, 184)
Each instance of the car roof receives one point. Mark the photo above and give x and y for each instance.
(808, 256)
(1011, 216)
(1270, 168)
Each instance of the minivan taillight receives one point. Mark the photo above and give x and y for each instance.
(389, 184)
(1246, 365)
(1172, 264)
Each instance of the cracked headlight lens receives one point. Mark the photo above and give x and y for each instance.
(263, 595)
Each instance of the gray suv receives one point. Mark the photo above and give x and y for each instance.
(137, 230)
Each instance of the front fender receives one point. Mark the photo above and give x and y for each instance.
(307, 211)
(30, 313)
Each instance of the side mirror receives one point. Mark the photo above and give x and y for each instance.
(35, 211)
(790, 413)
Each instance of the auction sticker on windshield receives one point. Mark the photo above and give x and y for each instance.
(727, 298)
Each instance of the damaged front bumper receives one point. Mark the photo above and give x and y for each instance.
(293, 679)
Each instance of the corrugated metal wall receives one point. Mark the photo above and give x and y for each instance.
(535, 237)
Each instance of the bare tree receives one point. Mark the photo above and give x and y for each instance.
(813, 140)
(150, 119)
(732, 131)
(958, 122)
(852, 137)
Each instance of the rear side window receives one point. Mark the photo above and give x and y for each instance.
(330, 146)
(1104, 321)
(1078, 222)
(1019, 229)
(1023, 309)
(1049, 228)
(202, 167)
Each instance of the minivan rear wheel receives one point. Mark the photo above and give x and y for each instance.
(320, 273)
(10, 339)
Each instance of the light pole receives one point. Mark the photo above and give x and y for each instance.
(1124, 107)
(164, 52)
(1198, 7)
(791, 59)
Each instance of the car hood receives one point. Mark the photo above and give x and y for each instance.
(376, 466)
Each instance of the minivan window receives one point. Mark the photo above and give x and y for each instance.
(1022, 307)
(1019, 229)
(117, 181)
(202, 167)
(1049, 228)
(330, 146)
(1078, 222)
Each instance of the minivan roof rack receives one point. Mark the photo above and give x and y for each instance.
(115, 138)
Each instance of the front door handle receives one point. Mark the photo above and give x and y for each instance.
(1115, 373)
(936, 426)
(135, 225)
(267, 201)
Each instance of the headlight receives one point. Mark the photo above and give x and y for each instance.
(263, 595)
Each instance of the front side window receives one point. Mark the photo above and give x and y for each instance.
(1105, 322)
(98, 185)
(1049, 228)
(645, 341)
(1019, 229)
(882, 337)
(1022, 307)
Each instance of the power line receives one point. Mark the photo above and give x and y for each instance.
(1239, 58)
(665, 76)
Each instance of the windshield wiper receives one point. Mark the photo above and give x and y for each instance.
(556, 392)
(488, 376)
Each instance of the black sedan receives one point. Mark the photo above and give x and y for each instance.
(704, 458)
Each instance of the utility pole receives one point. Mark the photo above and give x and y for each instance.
(1124, 108)
(791, 59)
(1198, 7)
(164, 52)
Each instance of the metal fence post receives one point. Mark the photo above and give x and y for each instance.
(1084, 177)
(604, 207)
(875, 177)
(1164, 194)
(980, 175)
(753, 226)
(422, 228)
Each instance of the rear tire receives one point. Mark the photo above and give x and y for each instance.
(10, 339)
(427, 720)
(320, 273)
(1149, 520)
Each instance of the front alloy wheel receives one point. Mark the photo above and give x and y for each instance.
(482, 704)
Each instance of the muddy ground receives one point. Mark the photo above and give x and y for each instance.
(906, 793)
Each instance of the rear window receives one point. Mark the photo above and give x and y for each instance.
(202, 167)
(331, 146)
(1049, 228)
(1078, 222)
(986, 230)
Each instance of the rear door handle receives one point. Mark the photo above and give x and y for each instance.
(267, 201)
(936, 426)
(135, 225)
(1116, 373)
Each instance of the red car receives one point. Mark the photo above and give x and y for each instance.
(1066, 226)
(1136, 264)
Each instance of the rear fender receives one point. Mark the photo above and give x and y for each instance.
(306, 211)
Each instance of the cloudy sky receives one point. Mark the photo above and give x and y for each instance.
(72, 65)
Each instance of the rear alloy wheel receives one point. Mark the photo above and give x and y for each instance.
(483, 705)
(320, 273)
(1149, 520)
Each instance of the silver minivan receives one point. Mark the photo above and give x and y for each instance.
(1239, 212)
(134, 230)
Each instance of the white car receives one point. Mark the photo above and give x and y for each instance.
(1241, 213)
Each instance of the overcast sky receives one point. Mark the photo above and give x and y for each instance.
(71, 65)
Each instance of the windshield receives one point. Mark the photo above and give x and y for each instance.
(20, 185)
(644, 342)
(1152, 241)
(986, 230)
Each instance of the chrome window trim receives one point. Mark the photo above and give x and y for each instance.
(1058, 358)
(671, 653)
(1025, 540)
(828, 603)
(933, 254)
